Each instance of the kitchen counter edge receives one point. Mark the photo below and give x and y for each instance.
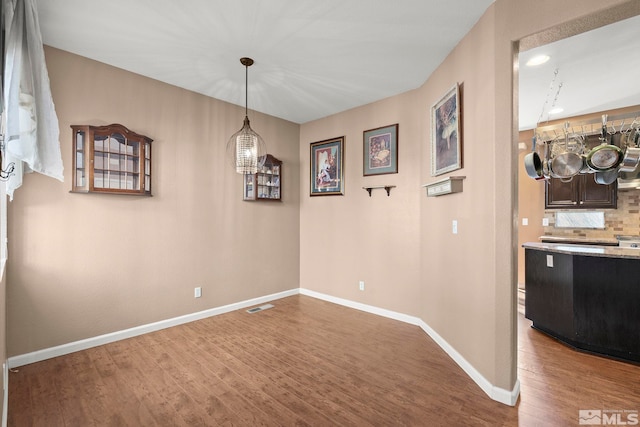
(585, 250)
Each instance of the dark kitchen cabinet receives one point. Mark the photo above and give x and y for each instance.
(582, 192)
(589, 302)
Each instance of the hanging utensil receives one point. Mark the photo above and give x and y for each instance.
(606, 155)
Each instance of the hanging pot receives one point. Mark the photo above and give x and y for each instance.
(533, 163)
(566, 164)
(606, 177)
(631, 155)
(606, 155)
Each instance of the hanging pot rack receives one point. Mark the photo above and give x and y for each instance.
(622, 122)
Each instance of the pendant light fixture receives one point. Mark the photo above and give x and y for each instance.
(246, 149)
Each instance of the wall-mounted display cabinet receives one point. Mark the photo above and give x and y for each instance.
(111, 159)
(266, 184)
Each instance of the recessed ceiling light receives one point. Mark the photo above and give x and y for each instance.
(538, 60)
(556, 110)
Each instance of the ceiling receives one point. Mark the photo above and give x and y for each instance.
(317, 58)
(312, 58)
(599, 70)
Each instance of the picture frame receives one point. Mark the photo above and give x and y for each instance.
(327, 167)
(446, 137)
(380, 150)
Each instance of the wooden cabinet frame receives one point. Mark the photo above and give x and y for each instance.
(110, 159)
(266, 184)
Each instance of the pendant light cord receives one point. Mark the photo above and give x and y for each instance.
(246, 90)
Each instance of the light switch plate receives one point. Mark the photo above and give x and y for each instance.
(549, 260)
(525, 221)
(454, 226)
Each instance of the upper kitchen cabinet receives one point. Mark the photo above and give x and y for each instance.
(582, 192)
(111, 159)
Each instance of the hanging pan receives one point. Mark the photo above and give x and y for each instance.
(606, 155)
(631, 154)
(532, 162)
(606, 177)
(567, 164)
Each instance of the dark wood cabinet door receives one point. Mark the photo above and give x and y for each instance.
(593, 195)
(559, 194)
(582, 192)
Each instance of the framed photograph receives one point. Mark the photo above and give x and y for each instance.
(446, 139)
(327, 161)
(380, 150)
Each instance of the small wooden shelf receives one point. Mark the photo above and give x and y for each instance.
(266, 183)
(373, 187)
(449, 185)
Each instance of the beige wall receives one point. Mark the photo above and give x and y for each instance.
(81, 265)
(345, 239)
(462, 285)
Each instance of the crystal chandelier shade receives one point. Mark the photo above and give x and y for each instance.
(246, 150)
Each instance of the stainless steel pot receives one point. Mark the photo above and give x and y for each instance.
(631, 155)
(569, 162)
(566, 165)
(533, 163)
(606, 177)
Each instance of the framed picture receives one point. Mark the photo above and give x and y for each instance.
(446, 139)
(327, 161)
(380, 150)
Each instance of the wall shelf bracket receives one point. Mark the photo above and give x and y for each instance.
(373, 187)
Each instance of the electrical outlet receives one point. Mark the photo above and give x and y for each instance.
(545, 222)
(361, 285)
(197, 292)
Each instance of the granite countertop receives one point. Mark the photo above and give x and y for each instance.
(585, 250)
(579, 240)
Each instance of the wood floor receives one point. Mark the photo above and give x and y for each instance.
(307, 362)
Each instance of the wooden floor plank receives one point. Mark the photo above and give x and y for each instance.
(307, 362)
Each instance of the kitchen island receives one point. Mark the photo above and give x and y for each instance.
(586, 296)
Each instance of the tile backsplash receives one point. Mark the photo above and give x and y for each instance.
(622, 221)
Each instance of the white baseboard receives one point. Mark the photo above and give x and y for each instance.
(48, 353)
(507, 397)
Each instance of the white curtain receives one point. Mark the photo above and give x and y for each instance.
(31, 125)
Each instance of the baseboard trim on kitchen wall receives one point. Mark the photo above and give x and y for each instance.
(507, 397)
(48, 353)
